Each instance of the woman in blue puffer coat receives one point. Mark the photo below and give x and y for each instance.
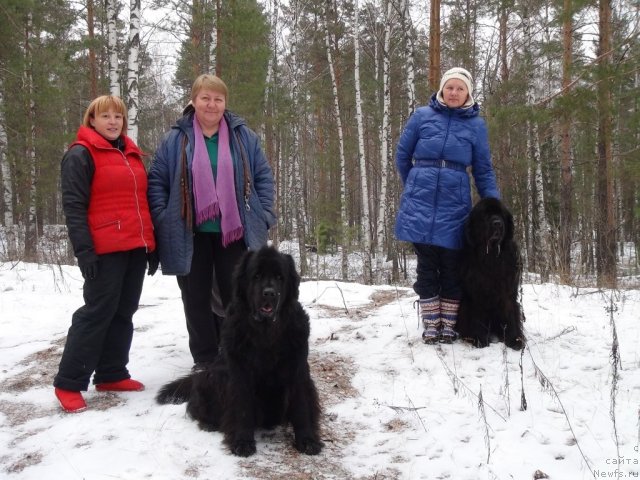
(437, 145)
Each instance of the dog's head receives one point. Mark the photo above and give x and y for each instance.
(489, 225)
(266, 281)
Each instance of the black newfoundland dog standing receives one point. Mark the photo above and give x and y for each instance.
(491, 273)
(261, 376)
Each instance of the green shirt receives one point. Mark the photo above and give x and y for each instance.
(212, 150)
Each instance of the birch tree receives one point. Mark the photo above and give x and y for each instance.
(7, 185)
(133, 70)
(405, 19)
(273, 59)
(268, 132)
(112, 47)
(299, 221)
(385, 144)
(31, 226)
(364, 186)
(539, 225)
(213, 39)
(336, 107)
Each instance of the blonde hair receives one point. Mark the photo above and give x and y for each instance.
(103, 104)
(207, 81)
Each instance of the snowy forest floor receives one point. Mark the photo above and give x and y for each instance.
(393, 408)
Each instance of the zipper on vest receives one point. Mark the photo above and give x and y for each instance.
(135, 194)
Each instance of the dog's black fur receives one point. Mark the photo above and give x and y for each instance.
(261, 377)
(491, 272)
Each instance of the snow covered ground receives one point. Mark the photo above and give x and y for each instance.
(394, 408)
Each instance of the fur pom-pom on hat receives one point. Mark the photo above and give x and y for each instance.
(460, 74)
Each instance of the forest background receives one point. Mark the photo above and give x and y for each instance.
(329, 85)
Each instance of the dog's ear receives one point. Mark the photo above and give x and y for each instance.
(240, 276)
(293, 277)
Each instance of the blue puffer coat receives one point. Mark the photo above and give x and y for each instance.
(436, 201)
(173, 237)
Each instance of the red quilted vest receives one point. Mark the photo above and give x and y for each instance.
(119, 217)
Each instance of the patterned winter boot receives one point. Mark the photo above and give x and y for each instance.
(449, 316)
(430, 314)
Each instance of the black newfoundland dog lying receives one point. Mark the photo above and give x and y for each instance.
(491, 274)
(261, 376)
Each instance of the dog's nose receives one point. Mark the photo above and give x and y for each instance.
(269, 292)
(496, 222)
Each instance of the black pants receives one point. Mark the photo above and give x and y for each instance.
(203, 325)
(101, 330)
(438, 272)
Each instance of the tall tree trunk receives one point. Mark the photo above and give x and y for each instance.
(606, 253)
(504, 26)
(344, 221)
(7, 184)
(540, 225)
(196, 36)
(434, 46)
(93, 66)
(268, 131)
(112, 46)
(385, 143)
(364, 186)
(300, 217)
(31, 224)
(407, 30)
(566, 165)
(271, 67)
(7, 191)
(133, 70)
(213, 39)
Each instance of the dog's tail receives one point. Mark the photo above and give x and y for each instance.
(176, 392)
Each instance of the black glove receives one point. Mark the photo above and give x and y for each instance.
(89, 270)
(153, 260)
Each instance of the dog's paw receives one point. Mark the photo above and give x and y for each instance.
(480, 343)
(516, 343)
(308, 446)
(243, 448)
(208, 426)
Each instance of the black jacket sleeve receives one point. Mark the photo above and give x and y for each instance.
(77, 171)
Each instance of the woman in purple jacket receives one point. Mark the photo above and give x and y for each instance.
(437, 145)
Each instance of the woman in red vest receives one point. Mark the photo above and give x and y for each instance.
(104, 197)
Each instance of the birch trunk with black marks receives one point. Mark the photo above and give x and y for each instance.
(133, 70)
(343, 179)
(364, 186)
(112, 47)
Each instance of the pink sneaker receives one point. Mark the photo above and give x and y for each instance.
(126, 385)
(71, 402)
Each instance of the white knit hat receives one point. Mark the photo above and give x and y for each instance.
(460, 74)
